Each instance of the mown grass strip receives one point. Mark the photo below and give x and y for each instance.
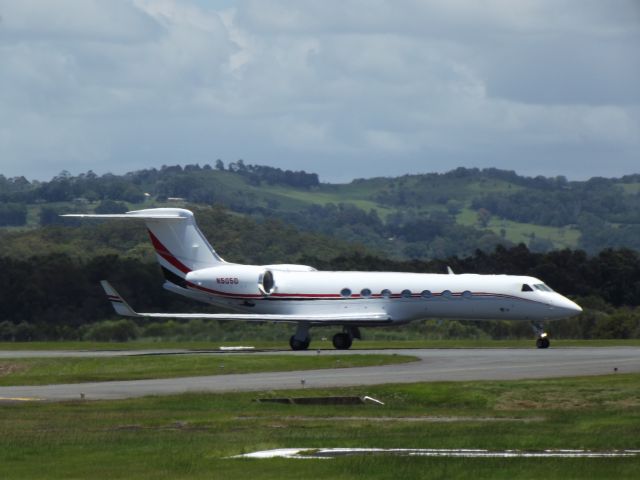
(43, 371)
(192, 435)
(316, 344)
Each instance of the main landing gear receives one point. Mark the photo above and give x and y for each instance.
(344, 339)
(341, 341)
(301, 340)
(299, 344)
(543, 338)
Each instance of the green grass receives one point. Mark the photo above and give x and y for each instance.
(516, 232)
(561, 237)
(467, 217)
(42, 371)
(361, 198)
(192, 435)
(317, 343)
(630, 188)
(465, 343)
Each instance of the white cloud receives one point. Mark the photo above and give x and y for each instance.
(75, 20)
(367, 86)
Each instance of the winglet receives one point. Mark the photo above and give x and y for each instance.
(119, 305)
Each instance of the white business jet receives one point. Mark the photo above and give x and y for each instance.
(302, 295)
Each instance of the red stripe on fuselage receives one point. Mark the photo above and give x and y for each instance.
(307, 295)
(166, 254)
(260, 295)
(332, 296)
(223, 294)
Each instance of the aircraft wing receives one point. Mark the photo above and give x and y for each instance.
(122, 308)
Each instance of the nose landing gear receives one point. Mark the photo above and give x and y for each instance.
(543, 341)
(543, 338)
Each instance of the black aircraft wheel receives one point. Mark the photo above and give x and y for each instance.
(342, 341)
(299, 344)
(543, 342)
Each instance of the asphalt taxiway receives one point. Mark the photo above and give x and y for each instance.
(433, 365)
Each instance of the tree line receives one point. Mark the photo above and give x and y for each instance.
(167, 181)
(57, 296)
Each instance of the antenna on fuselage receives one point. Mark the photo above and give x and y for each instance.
(449, 271)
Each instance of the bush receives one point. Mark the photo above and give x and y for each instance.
(165, 330)
(13, 214)
(24, 332)
(6, 331)
(622, 324)
(109, 206)
(112, 331)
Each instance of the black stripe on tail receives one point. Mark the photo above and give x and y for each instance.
(169, 276)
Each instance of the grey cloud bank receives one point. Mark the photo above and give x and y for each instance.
(346, 89)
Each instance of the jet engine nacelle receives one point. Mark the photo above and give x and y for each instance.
(234, 279)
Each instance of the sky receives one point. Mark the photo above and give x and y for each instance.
(343, 88)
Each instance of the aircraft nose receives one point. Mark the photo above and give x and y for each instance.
(567, 307)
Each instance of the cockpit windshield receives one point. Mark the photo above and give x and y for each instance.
(526, 288)
(542, 287)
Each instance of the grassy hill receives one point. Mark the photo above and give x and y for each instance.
(413, 216)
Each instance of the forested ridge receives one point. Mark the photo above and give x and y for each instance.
(469, 219)
(409, 217)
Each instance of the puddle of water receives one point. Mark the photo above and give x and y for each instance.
(326, 453)
(426, 419)
(19, 399)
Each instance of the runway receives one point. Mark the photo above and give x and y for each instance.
(434, 365)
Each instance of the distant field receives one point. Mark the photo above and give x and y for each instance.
(363, 195)
(631, 188)
(561, 237)
(253, 193)
(44, 371)
(335, 195)
(193, 435)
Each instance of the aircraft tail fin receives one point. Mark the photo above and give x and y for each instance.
(179, 244)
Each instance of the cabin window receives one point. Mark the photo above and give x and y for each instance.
(527, 288)
(446, 294)
(467, 294)
(386, 293)
(426, 294)
(406, 293)
(366, 293)
(345, 292)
